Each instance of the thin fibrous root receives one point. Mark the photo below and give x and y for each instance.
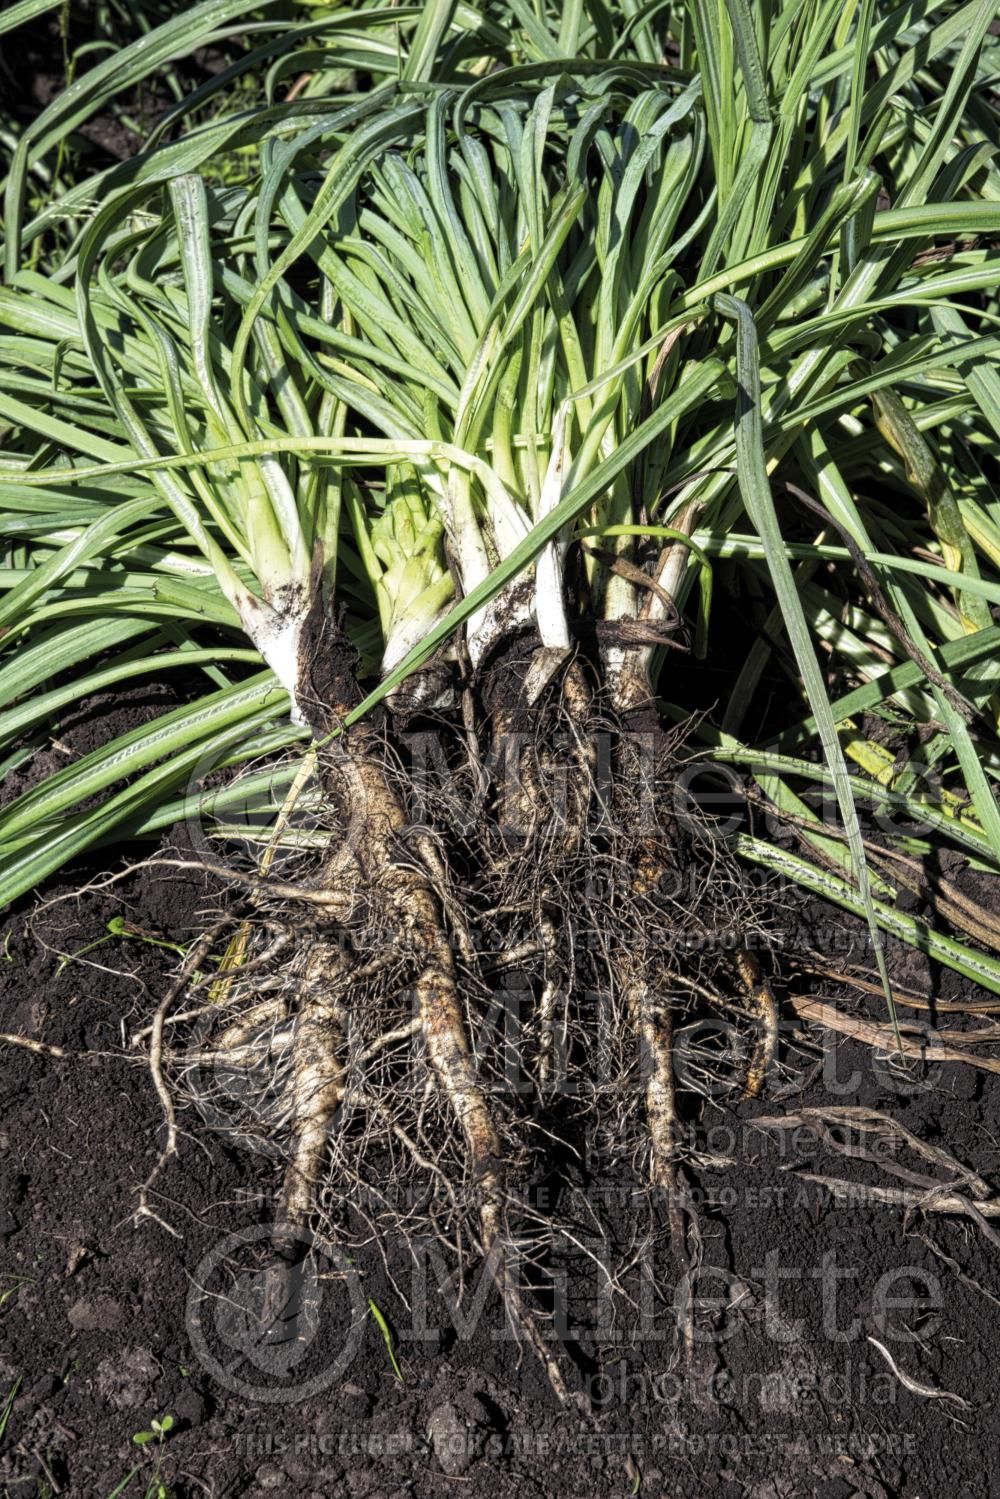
(214, 1005)
(338, 904)
(190, 966)
(925, 1391)
(59, 1053)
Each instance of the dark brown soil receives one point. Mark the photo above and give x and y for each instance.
(105, 1325)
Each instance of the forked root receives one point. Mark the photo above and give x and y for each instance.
(845, 1131)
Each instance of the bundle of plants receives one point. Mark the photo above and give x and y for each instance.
(459, 396)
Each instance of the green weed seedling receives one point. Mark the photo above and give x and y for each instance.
(384, 1328)
(159, 1429)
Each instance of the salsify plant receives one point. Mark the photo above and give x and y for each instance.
(466, 396)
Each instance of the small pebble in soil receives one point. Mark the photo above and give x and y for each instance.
(354, 1401)
(453, 1438)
